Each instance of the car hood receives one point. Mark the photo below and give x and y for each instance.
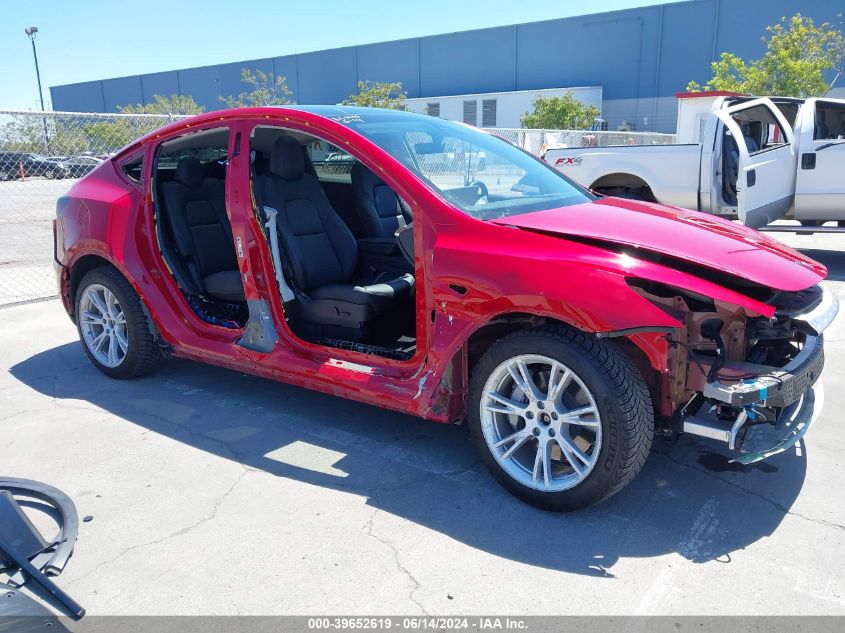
(687, 237)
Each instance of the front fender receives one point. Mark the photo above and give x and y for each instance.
(574, 283)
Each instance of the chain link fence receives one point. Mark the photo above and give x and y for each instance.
(41, 156)
(43, 153)
(537, 141)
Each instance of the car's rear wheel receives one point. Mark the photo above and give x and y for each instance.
(112, 325)
(561, 420)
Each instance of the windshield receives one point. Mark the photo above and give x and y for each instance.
(479, 173)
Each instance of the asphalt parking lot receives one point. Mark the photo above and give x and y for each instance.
(212, 492)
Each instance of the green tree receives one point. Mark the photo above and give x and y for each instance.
(267, 89)
(40, 134)
(112, 134)
(798, 55)
(174, 104)
(69, 134)
(378, 94)
(560, 113)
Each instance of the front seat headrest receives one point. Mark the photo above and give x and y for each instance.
(286, 160)
(189, 172)
(365, 177)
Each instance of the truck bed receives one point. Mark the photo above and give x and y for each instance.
(672, 172)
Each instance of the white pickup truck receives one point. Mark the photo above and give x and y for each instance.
(755, 159)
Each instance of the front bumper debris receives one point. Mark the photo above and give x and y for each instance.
(760, 441)
(773, 387)
(781, 386)
(791, 391)
(765, 440)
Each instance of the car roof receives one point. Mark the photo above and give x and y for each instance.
(340, 114)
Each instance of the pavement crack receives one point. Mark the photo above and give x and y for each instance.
(236, 454)
(368, 530)
(180, 532)
(778, 506)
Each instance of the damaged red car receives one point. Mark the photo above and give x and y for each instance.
(428, 267)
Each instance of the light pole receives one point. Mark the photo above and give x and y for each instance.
(31, 31)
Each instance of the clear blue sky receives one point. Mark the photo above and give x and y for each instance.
(83, 40)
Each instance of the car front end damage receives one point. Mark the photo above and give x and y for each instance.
(748, 380)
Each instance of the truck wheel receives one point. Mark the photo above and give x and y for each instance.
(112, 325)
(628, 193)
(561, 420)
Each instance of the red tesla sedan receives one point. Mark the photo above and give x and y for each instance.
(347, 250)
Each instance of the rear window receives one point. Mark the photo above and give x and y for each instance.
(330, 162)
(133, 168)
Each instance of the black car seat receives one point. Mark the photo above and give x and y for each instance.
(196, 214)
(821, 130)
(321, 254)
(376, 203)
(731, 162)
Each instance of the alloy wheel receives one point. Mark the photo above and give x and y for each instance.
(103, 325)
(540, 422)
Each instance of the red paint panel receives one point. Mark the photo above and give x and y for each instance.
(504, 268)
(688, 235)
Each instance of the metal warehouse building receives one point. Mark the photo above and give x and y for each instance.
(639, 58)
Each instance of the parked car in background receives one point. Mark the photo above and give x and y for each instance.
(77, 166)
(757, 160)
(16, 164)
(562, 327)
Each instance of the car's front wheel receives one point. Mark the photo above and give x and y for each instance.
(561, 420)
(112, 325)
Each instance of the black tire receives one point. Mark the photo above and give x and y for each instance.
(143, 353)
(633, 194)
(626, 193)
(622, 399)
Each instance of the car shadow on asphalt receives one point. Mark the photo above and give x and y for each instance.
(686, 500)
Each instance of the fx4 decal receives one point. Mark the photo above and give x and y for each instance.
(570, 160)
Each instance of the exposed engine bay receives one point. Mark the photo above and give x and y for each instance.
(739, 374)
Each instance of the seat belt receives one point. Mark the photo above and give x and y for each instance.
(285, 290)
(280, 264)
(400, 214)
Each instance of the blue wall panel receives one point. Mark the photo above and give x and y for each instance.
(649, 51)
(685, 53)
(326, 76)
(602, 51)
(165, 84)
(742, 24)
(120, 92)
(286, 67)
(636, 54)
(391, 61)
(83, 97)
(203, 84)
(468, 62)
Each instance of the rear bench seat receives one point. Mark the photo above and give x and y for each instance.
(196, 214)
